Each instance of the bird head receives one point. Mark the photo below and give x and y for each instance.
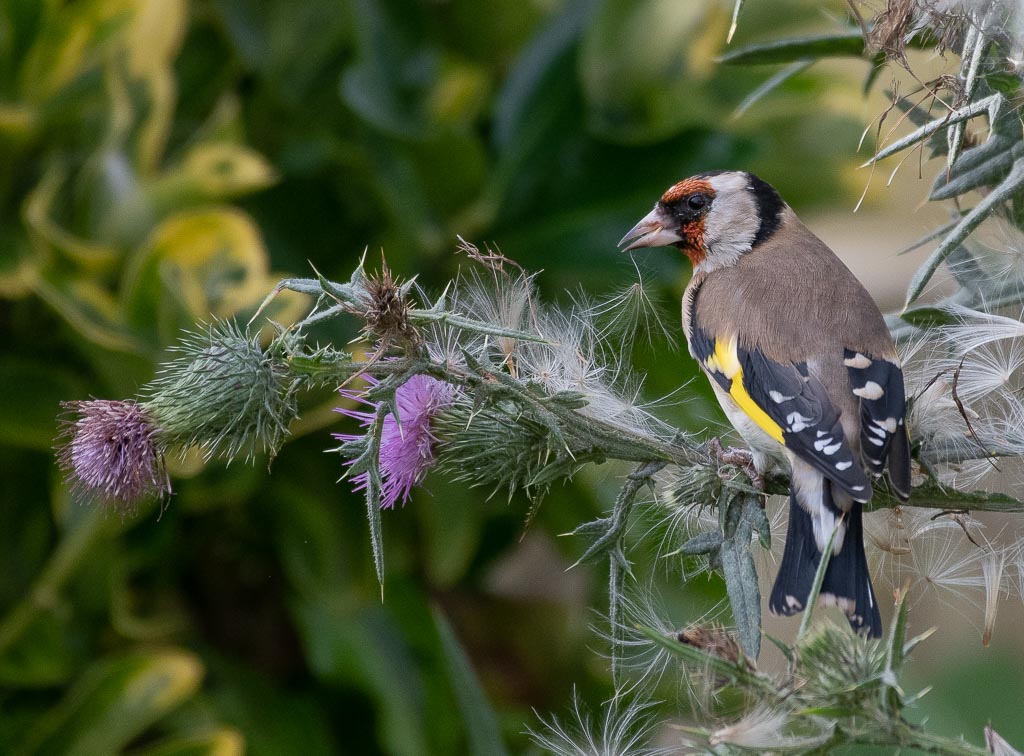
(714, 218)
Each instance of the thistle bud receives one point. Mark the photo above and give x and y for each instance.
(225, 394)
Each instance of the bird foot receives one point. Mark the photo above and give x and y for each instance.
(738, 457)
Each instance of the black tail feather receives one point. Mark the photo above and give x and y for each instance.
(899, 462)
(846, 580)
(799, 563)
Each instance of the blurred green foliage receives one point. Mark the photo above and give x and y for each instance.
(159, 161)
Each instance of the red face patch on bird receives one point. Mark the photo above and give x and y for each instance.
(688, 203)
(686, 188)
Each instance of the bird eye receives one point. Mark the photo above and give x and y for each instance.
(697, 201)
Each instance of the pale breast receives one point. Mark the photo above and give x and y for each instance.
(769, 454)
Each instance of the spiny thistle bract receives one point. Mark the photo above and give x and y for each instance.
(839, 666)
(495, 447)
(225, 394)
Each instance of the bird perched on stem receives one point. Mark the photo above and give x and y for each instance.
(803, 365)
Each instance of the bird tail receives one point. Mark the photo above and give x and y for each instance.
(847, 582)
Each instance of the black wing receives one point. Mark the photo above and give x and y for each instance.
(787, 403)
(883, 403)
(799, 403)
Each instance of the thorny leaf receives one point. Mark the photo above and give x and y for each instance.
(842, 45)
(773, 82)
(735, 19)
(891, 694)
(991, 167)
(976, 43)
(744, 596)
(369, 462)
(702, 543)
(1011, 185)
(990, 105)
(968, 273)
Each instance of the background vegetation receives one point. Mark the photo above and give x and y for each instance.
(163, 161)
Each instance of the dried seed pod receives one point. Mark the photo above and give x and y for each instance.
(713, 639)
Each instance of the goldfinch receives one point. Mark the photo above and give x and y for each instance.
(803, 365)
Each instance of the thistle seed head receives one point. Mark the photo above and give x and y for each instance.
(110, 450)
(713, 639)
(386, 316)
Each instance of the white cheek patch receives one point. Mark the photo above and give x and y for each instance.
(732, 222)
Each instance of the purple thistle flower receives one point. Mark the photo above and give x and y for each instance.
(108, 449)
(406, 448)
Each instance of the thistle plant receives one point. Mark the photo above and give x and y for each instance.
(488, 384)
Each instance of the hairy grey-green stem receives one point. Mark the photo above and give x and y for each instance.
(624, 444)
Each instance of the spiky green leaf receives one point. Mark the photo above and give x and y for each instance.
(744, 595)
(1011, 185)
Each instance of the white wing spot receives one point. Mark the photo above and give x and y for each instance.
(876, 441)
(869, 390)
(858, 361)
(822, 443)
(878, 430)
(796, 421)
(778, 397)
(846, 466)
(821, 433)
(830, 450)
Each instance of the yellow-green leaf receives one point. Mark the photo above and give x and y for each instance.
(200, 264)
(114, 702)
(211, 261)
(49, 236)
(71, 41)
(90, 310)
(223, 742)
(217, 171)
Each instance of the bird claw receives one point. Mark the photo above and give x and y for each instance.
(738, 457)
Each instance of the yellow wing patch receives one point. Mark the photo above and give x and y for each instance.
(726, 361)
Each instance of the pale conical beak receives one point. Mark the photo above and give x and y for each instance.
(651, 231)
